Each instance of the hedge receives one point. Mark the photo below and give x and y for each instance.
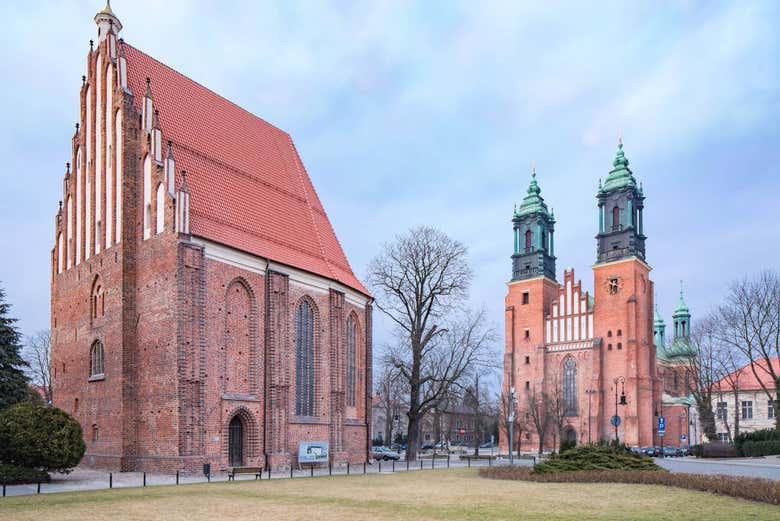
(12, 475)
(715, 449)
(755, 436)
(760, 448)
(753, 489)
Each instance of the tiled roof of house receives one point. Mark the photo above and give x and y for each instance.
(746, 380)
(248, 187)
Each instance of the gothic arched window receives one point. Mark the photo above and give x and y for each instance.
(96, 359)
(304, 359)
(351, 362)
(570, 387)
(528, 240)
(616, 218)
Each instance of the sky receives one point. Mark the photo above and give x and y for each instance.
(410, 113)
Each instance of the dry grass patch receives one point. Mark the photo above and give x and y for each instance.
(429, 495)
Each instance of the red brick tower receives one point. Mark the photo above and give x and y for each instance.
(624, 308)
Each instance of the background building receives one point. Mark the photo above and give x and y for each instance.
(206, 317)
(740, 402)
(577, 360)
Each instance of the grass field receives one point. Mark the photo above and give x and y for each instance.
(434, 495)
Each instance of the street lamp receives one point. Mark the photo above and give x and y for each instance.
(616, 419)
(660, 436)
(511, 425)
(589, 392)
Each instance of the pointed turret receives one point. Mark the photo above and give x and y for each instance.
(157, 137)
(659, 333)
(620, 203)
(534, 252)
(170, 168)
(107, 22)
(681, 317)
(182, 217)
(148, 107)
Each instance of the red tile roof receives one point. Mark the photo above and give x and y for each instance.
(746, 380)
(248, 186)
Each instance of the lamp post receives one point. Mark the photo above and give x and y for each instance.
(589, 392)
(511, 426)
(660, 437)
(616, 420)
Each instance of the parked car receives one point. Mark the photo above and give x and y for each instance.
(638, 450)
(652, 451)
(686, 450)
(383, 453)
(486, 445)
(672, 452)
(398, 446)
(427, 446)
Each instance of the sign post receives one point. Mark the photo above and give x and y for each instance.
(662, 432)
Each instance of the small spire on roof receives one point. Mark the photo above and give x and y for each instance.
(91, 45)
(77, 127)
(156, 123)
(67, 171)
(83, 80)
(620, 137)
(183, 187)
(60, 206)
(148, 87)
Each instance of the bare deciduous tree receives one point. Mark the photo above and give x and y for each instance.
(37, 353)
(391, 393)
(750, 321)
(538, 408)
(421, 282)
(520, 423)
(556, 409)
(703, 369)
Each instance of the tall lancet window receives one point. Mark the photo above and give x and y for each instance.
(147, 197)
(98, 153)
(570, 387)
(79, 184)
(351, 362)
(615, 218)
(160, 208)
(527, 240)
(88, 178)
(109, 153)
(60, 253)
(118, 174)
(304, 359)
(69, 248)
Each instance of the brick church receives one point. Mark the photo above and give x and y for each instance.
(577, 359)
(202, 308)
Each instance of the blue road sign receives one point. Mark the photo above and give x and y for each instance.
(615, 421)
(682, 437)
(661, 425)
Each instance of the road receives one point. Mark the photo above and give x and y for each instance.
(749, 468)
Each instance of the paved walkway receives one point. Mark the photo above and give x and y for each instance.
(751, 467)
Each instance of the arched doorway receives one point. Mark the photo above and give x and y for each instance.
(236, 442)
(570, 435)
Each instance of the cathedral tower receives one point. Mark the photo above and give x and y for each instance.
(533, 225)
(620, 213)
(624, 304)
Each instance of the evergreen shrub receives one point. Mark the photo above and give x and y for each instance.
(40, 437)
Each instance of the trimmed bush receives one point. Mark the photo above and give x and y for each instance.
(753, 489)
(595, 457)
(13, 475)
(39, 437)
(755, 436)
(754, 449)
(718, 449)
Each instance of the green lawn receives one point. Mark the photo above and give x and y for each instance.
(436, 495)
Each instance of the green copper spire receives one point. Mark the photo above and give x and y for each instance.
(533, 202)
(682, 307)
(620, 175)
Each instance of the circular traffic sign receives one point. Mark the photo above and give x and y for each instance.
(615, 421)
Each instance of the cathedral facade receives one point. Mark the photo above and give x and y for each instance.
(584, 367)
(202, 308)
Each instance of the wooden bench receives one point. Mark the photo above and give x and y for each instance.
(257, 471)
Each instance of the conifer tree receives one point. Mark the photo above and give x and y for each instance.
(13, 381)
